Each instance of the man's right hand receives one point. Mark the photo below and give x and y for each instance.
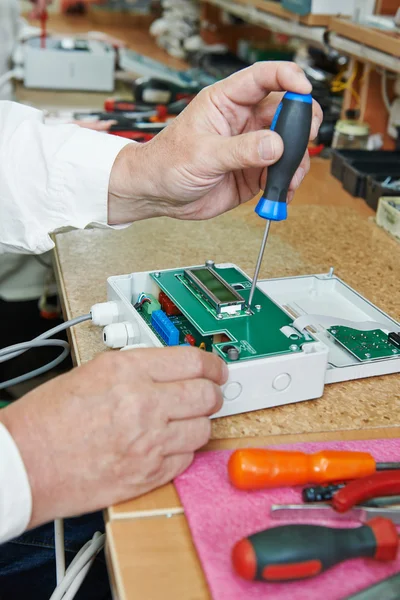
(115, 428)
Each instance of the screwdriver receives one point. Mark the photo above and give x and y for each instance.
(292, 120)
(293, 552)
(257, 468)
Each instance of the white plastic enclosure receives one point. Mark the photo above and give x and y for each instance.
(281, 379)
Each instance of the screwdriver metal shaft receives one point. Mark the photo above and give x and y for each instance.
(259, 261)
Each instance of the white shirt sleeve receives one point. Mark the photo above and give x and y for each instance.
(50, 178)
(15, 491)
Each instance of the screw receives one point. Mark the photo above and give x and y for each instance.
(258, 307)
(333, 331)
(157, 274)
(367, 355)
(293, 347)
(210, 263)
(233, 353)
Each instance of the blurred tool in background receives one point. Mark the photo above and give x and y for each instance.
(43, 22)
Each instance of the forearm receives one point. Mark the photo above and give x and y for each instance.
(26, 423)
(50, 178)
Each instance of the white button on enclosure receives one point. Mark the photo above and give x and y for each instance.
(281, 382)
(232, 390)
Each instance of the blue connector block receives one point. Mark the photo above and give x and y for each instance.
(165, 328)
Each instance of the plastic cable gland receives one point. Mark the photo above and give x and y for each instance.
(104, 313)
(118, 335)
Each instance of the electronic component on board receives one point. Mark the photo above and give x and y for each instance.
(394, 338)
(165, 328)
(223, 297)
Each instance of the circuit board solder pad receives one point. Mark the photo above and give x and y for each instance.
(255, 335)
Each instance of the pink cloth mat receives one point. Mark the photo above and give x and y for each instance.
(220, 515)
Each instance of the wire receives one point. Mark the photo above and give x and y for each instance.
(60, 549)
(77, 582)
(337, 85)
(142, 298)
(18, 349)
(48, 334)
(385, 96)
(36, 372)
(78, 569)
(322, 320)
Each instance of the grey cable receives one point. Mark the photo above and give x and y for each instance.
(35, 344)
(18, 349)
(45, 335)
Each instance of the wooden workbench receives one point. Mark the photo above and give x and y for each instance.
(150, 552)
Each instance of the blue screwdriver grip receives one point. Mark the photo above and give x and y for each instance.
(292, 120)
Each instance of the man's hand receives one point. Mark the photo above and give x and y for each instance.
(117, 427)
(213, 156)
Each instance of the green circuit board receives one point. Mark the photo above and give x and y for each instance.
(364, 345)
(255, 335)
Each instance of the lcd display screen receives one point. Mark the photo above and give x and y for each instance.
(214, 287)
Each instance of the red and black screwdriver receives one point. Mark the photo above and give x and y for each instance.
(294, 552)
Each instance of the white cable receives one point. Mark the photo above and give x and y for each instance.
(60, 549)
(78, 569)
(79, 579)
(314, 320)
(385, 96)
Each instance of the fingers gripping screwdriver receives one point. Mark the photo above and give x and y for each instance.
(301, 551)
(258, 468)
(292, 120)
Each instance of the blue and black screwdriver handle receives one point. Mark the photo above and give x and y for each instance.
(292, 120)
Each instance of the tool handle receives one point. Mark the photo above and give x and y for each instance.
(292, 121)
(356, 492)
(114, 105)
(256, 468)
(301, 551)
(320, 493)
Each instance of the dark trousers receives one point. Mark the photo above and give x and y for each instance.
(28, 568)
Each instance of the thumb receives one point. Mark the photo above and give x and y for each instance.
(254, 149)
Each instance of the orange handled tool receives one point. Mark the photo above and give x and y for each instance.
(254, 469)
